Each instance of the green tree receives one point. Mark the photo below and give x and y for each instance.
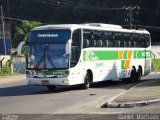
(22, 31)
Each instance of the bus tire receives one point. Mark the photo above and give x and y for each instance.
(51, 88)
(87, 81)
(138, 75)
(133, 75)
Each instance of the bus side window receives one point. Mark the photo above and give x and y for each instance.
(76, 38)
(108, 36)
(103, 39)
(117, 43)
(147, 41)
(118, 38)
(87, 38)
(109, 43)
(144, 44)
(99, 43)
(124, 44)
(92, 43)
(140, 41)
(105, 43)
(76, 47)
(134, 40)
(129, 43)
(73, 56)
(85, 43)
(127, 40)
(135, 43)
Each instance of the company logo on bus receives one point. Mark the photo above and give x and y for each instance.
(47, 35)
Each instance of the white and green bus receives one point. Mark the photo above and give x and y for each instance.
(71, 54)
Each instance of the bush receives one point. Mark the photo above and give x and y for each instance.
(156, 64)
(6, 69)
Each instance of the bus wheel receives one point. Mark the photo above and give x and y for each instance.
(138, 75)
(133, 75)
(51, 87)
(87, 81)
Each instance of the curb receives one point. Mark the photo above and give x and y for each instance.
(155, 72)
(109, 104)
(130, 104)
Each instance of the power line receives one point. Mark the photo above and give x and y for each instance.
(151, 11)
(83, 5)
(73, 4)
(148, 27)
(20, 18)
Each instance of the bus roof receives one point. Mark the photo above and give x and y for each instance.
(91, 26)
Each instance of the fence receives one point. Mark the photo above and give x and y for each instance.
(19, 64)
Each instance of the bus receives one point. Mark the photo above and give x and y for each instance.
(72, 54)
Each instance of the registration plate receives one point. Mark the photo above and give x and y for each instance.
(45, 82)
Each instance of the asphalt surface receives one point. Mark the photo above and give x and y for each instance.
(67, 102)
(21, 98)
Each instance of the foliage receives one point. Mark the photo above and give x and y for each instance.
(6, 69)
(156, 64)
(158, 82)
(22, 31)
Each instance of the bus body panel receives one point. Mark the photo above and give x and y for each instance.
(48, 81)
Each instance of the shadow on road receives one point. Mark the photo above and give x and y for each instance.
(23, 90)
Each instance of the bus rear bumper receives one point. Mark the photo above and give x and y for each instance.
(48, 81)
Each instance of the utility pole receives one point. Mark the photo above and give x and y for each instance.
(130, 18)
(130, 14)
(3, 31)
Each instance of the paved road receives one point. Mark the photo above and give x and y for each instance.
(19, 98)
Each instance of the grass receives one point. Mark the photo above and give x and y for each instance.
(6, 69)
(155, 64)
(158, 83)
(8, 74)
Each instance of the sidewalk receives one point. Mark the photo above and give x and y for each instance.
(12, 79)
(143, 94)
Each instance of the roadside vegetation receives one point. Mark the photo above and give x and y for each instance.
(156, 65)
(158, 82)
(22, 33)
(5, 70)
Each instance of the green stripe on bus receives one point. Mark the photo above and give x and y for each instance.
(100, 55)
(125, 54)
(94, 55)
(135, 54)
(123, 64)
(50, 72)
(138, 54)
